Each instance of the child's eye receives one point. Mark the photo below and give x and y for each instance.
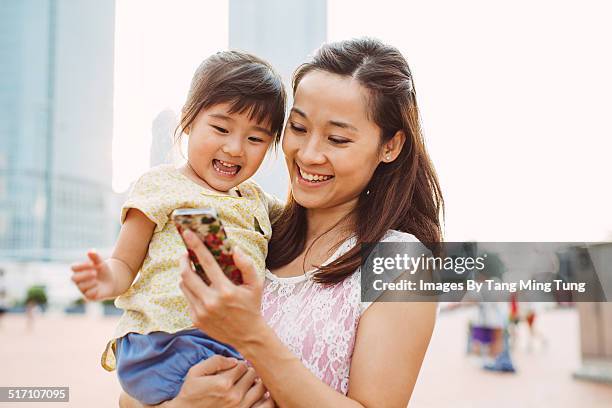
(219, 129)
(297, 128)
(255, 139)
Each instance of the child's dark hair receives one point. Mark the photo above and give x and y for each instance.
(246, 82)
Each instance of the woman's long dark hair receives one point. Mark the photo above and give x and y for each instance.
(404, 194)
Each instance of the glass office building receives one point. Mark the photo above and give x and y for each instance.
(56, 122)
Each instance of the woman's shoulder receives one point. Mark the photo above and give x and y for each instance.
(390, 236)
(398, 236)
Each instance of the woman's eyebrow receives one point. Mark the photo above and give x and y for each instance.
(299, 112)
(343, 125)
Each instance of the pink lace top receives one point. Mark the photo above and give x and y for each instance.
(318, 323)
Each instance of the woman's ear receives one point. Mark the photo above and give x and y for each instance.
(393, 147)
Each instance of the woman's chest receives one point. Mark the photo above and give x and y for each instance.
(314, 254)
(313, 318)
(317, 323)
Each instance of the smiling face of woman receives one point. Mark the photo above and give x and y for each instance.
(331, 146)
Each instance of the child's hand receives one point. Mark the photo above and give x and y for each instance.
(94, 278)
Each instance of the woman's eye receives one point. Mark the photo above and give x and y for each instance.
(297, 128)
(338, 140)
(219, 129)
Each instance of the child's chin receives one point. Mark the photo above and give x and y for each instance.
(226, 185)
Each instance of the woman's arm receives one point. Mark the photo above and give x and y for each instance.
(391, 342)
(231, 314)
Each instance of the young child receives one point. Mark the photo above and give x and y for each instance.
(234, 112)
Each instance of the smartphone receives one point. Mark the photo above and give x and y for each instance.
(205, 223)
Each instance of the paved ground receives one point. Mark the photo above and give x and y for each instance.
(65, 350)
(543, 377)
(59, 351)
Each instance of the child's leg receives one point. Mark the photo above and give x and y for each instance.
(152, 367)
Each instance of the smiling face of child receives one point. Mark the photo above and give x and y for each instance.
(225, 148)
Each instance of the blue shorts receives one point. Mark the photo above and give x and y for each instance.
(152, 367)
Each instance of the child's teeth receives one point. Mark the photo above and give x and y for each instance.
(225, 167)
(226, 164)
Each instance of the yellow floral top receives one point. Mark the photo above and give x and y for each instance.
(155, 302)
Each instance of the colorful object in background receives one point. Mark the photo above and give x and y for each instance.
(485, 341)
(489, 337)
(514, 313)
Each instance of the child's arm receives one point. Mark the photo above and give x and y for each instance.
(102, 279)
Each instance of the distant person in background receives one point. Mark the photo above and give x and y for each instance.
(359, 173)
(535, 336)
(31, 309)
(3, 306)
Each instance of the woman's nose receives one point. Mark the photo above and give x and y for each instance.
(311, 152)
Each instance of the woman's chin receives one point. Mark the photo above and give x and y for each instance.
(310, 201)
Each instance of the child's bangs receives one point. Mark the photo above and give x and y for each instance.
(266, 112)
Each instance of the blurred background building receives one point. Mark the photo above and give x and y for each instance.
(162, 131)
(56, 127)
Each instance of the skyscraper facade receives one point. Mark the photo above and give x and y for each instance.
(56, 122)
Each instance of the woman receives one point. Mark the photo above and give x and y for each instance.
(359, 173)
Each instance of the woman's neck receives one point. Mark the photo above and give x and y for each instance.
(338, 218)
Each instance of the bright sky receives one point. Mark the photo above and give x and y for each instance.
(515, 102)
(514, 96)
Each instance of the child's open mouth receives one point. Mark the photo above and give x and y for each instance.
(226, 168)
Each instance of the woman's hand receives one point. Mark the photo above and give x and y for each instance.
(218, 382)
(226, 312)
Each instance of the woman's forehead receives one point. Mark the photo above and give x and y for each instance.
(325, 96)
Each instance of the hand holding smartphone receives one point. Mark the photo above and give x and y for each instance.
(205, 223)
